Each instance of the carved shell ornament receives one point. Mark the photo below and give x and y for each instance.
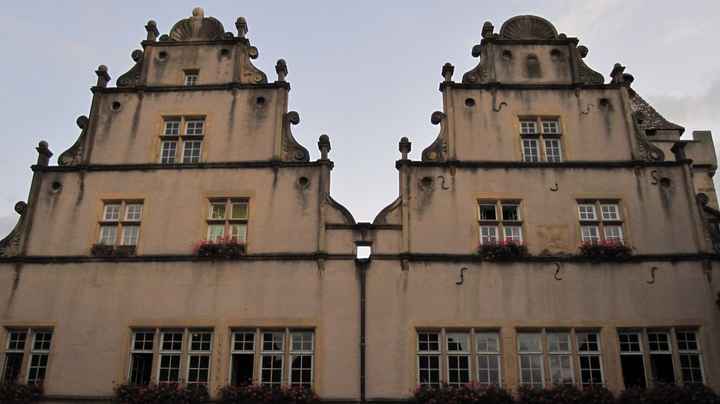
(197, 28)
(528, 27)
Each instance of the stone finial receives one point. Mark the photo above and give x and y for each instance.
(152, 31)
(583, 51)
(281, 69)
(241, 26)
(137, 55)
(404, 146)
(198, 12)
(324, 146)
(616, 75)
(44, 154)
(20, 208)
(447, 72)
(487, 29)
(103, 76)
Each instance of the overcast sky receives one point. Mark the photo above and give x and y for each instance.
(364, 72)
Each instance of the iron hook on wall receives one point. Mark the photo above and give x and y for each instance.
(652, 275)
(462, 276)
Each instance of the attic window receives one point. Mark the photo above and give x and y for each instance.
(191, 77)
(533, 67)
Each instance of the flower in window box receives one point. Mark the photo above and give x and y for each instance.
(125, 250)
(605, 250)
(161, 393)
(503, 250)
(20, 393)
(223, 248)
(565, 394)
(102, 250)
(470, 393)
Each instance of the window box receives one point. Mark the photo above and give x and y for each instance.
(566, 394)
(161, 393)
(221, 248)
(104, 250)
(504, 250)
(257, 393)
(20, 393)
(668, 393)
(605, 250)
(467, 393)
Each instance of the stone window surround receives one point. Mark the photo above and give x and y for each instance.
(122, 220)
(28, 351)
(539, 136)
(180, 137)
(500, 222)
(599, 221)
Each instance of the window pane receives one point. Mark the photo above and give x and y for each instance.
(687, 340)
(559, 342)
(488, 234)
(513, 234)
(108, 235)
(16, 340)
(244, 341)
(458, 342)
(590, 372)
(662, 368)
(11, 367)
(111, 212)
(168, 151)
(171, 341)
(610, 212)
(201, 341)
(528, 127)
(550, 126)
(37, 368)
(587, 212)
(428, 342)
(273, 341)
(301, 341)
(133, 212)
(130, 235)
(531, 370)
(659, 342)
(143, 341)
(216, 232)
(301, 370)
(172, 127)
(239, 210)
(614, 233)
(191, 79)
(217, 211)
(633, 370)
(590, 234)
(630, 342)
(195, 127)
(238, 232)
(242, 369)
(487, 211)
(458, 369)
(198, 369)
(588, 342)
(429, 370)
(191, 151)
(489, 369)
(169, 369)
(271, 371)
(42, 340)
(141, 368)
(510, 212)
(561, 369)
(530, 150)
(529, 342)
(690, 366)
(487, 342)
(553, 152)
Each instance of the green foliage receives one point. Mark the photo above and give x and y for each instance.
(13, 393)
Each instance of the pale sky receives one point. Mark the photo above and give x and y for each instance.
(366, 73)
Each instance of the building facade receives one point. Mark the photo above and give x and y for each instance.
(187, 237)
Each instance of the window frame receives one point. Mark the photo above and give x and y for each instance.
(590, 353)
(531, 353)
(539, 138)
(27, 352)
(181, 137)
(199, 353)
(500, 223)
(121, 222)
(228, 221)
(599, 221)
(191, 77)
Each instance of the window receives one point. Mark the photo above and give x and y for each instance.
(120, 223)
(488, 358)
(191, 77)
(632, 359)
(227, 219)
(242, 357)
(199, 357)
(559, 350)
(190, 140)
(428, 362)
(606, 227)
(531, 359)
(548, 137)
(458, 358)
(591, 372)
(141, 357)
(273, 344)
(661, 361)
(508, 223)
(193, 346)
(690, 357)
(286, 357)
(301, 358)
(35, 343)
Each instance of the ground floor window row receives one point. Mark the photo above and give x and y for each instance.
(26, 354)
(266, 356)
(548, 357)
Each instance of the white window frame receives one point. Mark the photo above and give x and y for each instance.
(293, 353)
(243, 351)
(228, 222)
(559, 353)
(697, 352)
(170, 353)
(35, 352)
(531, 353)
(199, 353)
(272, 353)
(119, 221)
(182, 131)
(459, 354)
(429, 353)
(590, 353)
(532, 145)
(496, 356)
(557, 145)
(191, 78)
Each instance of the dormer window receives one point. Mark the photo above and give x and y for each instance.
(540, 139)
(191, 77)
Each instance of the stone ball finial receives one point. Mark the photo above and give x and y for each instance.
(583, 51)
(102, 68)
(404, 147)
(152, 24)
(324, 146)
(198, 12)
(437, 117)
(447, 72)
(43, 145)
(20, 207)
(242, 27)
(82, 122)
(136, 55)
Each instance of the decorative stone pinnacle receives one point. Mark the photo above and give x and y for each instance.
(198, 12)
(136, 55)
(152, 31)
(241, 26)
(44, 153)
(324, 146)
(583, 51)
(103, 76)
(404, 146)
(281, 69)
(487, 29)
(447, 72)
(618, 75)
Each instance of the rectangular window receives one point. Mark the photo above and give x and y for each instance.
(487, 348)
(553, 150)
(14, 352)
(588, 344)
(191, 77)
(141, 357)
(690, 357)
(559, 350)
(458, 360)
(242, 357)
(528, 127)
(551, 127)
(36, 344)
(632, 359)
(120, 223)
(530, 150)
(428, 358)
(302, 348)
(606, 227)
(661, 361)
(271, 372)
(506, 227)
(171, 343)
(199, 357)
(173, 138)
(39, 354)
(531, 359)
(227, 218)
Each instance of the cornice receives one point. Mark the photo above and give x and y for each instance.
(200, 87)
(586, 164)
(529, 86)
(195, 166)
